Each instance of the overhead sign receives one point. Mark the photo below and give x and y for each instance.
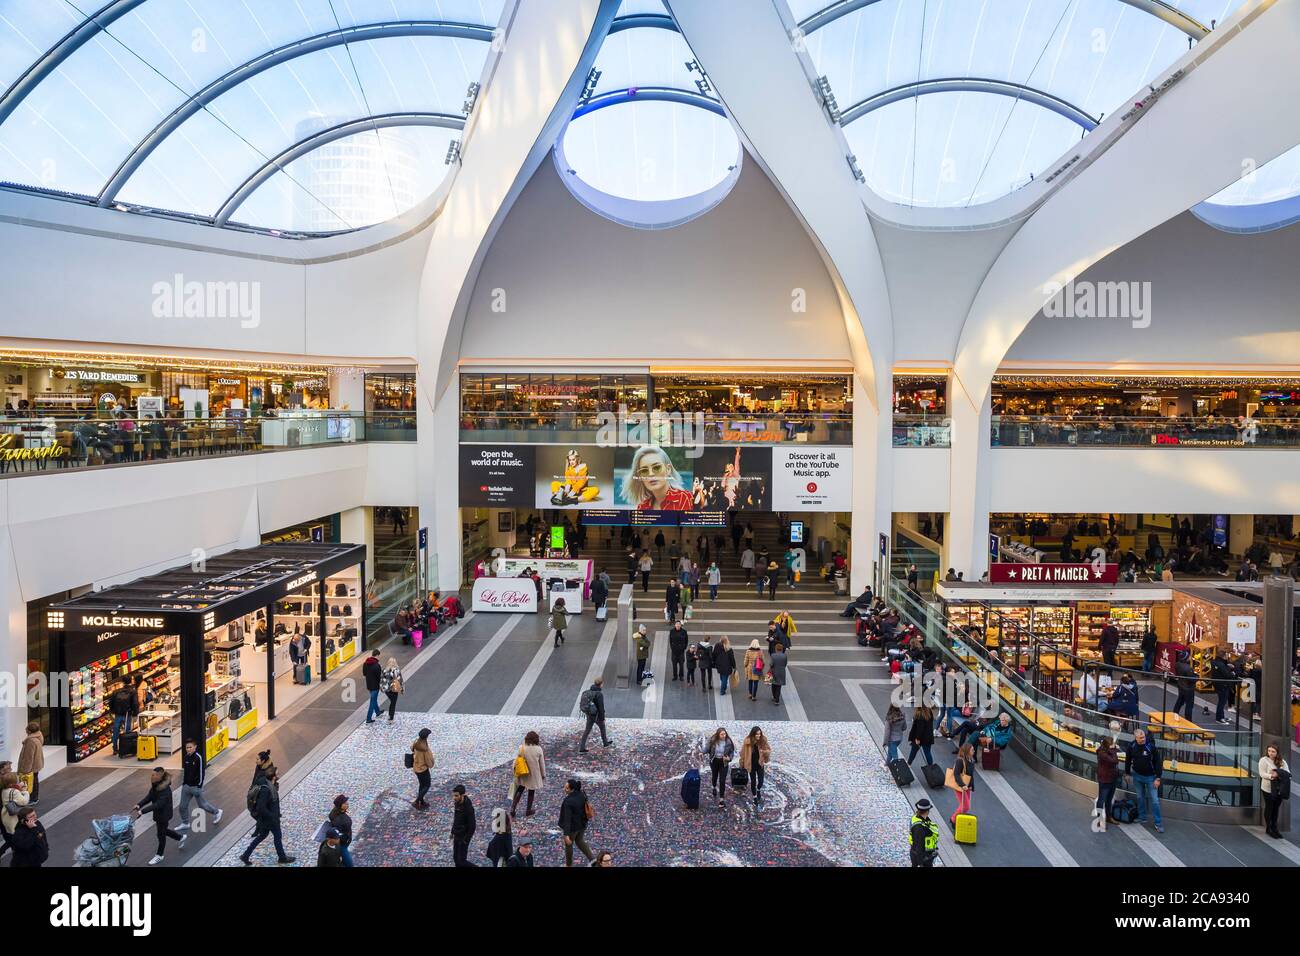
(99, 375)
(995, 548)
(1241, 629)
(1053, 573)
(505, 595)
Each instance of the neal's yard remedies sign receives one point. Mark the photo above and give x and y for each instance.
(1053, 573)
(812, 479)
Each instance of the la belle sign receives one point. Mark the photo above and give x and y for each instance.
(506, 595)
(1010, 573)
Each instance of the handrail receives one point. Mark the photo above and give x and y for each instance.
(1060, 731)
(1007, 430)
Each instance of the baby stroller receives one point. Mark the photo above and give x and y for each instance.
(111, 844)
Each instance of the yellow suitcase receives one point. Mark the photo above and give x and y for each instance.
(965, 829)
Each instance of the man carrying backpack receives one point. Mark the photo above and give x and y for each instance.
(592, 705)
(264, 807)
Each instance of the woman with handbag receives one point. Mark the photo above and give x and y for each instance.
(961, 779)
(755, 754)
(755, 668)
(390, 682)
(559, 620)
(420, 760)
(530, 773)
(1271, 768)
(13, 797)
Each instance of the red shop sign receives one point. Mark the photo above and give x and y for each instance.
(1053, 573)
(1167, 656)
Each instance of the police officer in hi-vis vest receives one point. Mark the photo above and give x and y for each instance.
(923, 835)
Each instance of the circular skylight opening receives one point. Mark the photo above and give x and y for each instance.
(650, 159)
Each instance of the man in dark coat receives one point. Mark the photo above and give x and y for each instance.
(463, 825)
(678, 641)
(265, 798)
(573, 821)
(1109, 643)
(372, 671)
(1186, 679)
(593, 702)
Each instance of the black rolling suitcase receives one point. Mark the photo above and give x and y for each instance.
(126, 744)
(901, 772)
(934, 775)
(739, 777)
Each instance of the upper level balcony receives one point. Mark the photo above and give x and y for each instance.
(675, 428)
(1052, 431)
(48, 444)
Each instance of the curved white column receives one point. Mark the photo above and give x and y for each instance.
(1228, 108)
(547, 50)
(754, 67)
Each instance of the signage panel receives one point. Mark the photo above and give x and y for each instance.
(497, 475)
(1053, 573)
(812, 479)
(505, 595)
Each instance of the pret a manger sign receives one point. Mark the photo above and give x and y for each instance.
(1053, 573)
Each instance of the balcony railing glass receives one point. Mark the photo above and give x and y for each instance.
(1017, 431)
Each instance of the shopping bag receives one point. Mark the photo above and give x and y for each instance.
(417, 638)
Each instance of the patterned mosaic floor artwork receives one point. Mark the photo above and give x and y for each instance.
(827, 799)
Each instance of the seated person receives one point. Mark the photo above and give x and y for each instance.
(996, 734)
(861, 603)
(1124, 699)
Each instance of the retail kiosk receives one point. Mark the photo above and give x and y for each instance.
(211, 642)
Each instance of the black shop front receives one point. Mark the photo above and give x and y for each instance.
(202, 646)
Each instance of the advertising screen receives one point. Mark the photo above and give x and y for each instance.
(574, 476)
(812, 479)
(732, 479)
(703, 519)
(497, 475)
(653, 478)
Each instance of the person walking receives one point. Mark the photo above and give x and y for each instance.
(724, 662)
(422, 762)
(119, 705)
(523, 855)
(895, 732)
(559, 620)
(194, 771)
(1225, 682)
(330, 853)
(501, 846)
(31, 848)
(693, 578)
(789, 558)
(760, 576)
(31, 760)
(719, 750)
(778, 663)
(923, 835)
(1274, 786)
(600, 590)
(341, 821)
(642, 652)
(659, 545)
(773, 576)
(633, 564)
(1185, 678)
(575, 813)
(463, 825)
(390, 682)
(921, 734)
(704, 652)
(963, 780)
(1143, 762)
(264, 807)
(678, 641)
(158, 802)
(592, 705)
(713, 579)
(755, 754)
(531, 760)
(747, 563)
(755, 668)
(692, 662)
(644, 566)
(372, 672)
(1108, 775)
(672, 600)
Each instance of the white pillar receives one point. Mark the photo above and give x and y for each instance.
(966, 530)
(13, 651)
(872, 479)
(357, 526)
(1241, 533)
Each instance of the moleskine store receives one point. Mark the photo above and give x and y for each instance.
(209, 653)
